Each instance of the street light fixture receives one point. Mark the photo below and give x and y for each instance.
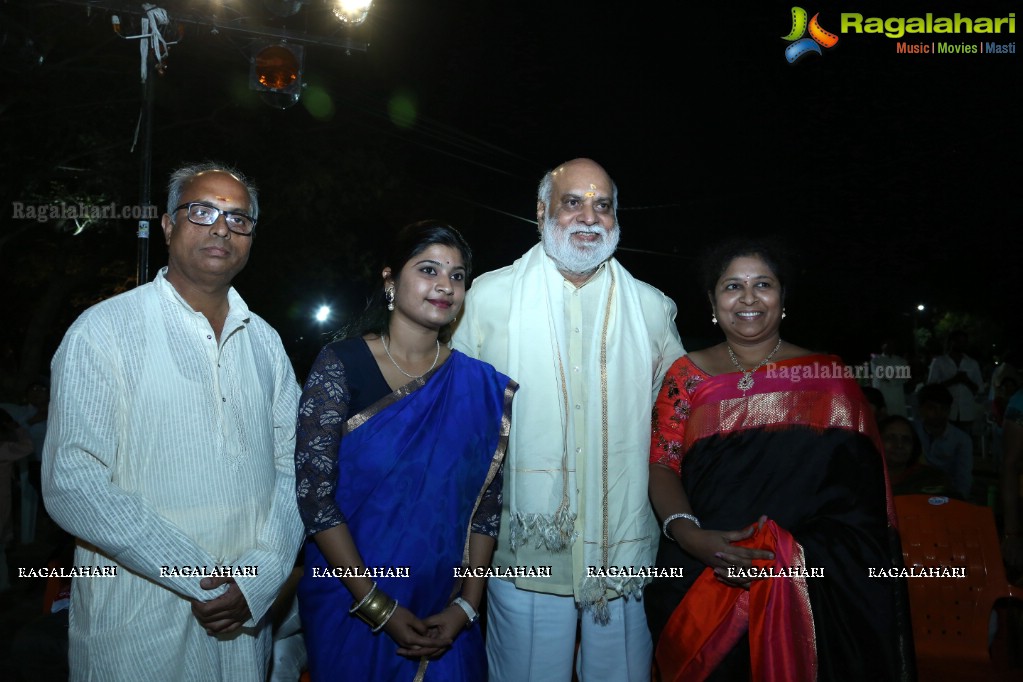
(351, 12)
(277, 68)
(276, 73)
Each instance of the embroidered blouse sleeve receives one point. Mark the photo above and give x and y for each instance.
(487, 520)
(322, 411)
(671, 411)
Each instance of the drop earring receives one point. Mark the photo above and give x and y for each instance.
(713, 319)
(783, 316)
(389, 297)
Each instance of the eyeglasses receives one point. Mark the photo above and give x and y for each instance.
(205, 215)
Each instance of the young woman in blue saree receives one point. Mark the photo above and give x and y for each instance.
(398, 456)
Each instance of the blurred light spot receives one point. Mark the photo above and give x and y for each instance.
(402, 109)
(318, 103)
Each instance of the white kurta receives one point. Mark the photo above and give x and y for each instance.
(964, 401)
(167, 449)
(530, 323)
(886, 376)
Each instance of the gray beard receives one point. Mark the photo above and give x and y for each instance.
(576, 258)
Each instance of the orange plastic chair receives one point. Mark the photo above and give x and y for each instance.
(951, 615)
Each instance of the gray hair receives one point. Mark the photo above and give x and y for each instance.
(546, 188)
(186, 174)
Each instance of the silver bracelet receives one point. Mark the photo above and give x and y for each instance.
(667, 522)
(470, 612)
(394, 607)
(356, 607)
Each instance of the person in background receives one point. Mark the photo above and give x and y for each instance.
(960, 374)
(888, 374)
(908, 473)
(944, 445)
(15, 444)
(39, 647)
(1012, 467)
(31, 415)
(875, 398)
(1005, 381)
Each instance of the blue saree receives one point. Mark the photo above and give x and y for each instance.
(412, 468)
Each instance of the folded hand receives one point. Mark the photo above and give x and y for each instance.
(226, 613)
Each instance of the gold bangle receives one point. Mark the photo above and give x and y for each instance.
(376, 607)
(377, 610)
(387, 617)
(355, 607)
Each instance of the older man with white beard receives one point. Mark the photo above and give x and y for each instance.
(589, 345)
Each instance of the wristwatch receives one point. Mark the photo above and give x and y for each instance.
(470, 612)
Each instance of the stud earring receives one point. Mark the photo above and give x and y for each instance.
(389, 297)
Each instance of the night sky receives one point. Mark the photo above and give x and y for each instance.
(893, 177)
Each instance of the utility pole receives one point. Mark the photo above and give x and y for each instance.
(124, 7)
(145, 178)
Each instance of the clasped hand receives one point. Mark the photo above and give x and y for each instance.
(226, 613)
(715, 548)
(430, 637)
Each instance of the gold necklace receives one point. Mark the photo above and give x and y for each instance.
(746, 382)
(436, 357)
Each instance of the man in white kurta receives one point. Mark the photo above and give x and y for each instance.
(960, 374)
(589, 345)
(169, 456)
(889, 373)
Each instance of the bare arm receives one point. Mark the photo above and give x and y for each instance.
(408, 632)
(712, 547)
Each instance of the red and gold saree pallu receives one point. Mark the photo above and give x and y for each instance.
(801, 448)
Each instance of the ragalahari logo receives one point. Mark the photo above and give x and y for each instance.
(802, 46)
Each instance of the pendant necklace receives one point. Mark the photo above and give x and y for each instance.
(746, 382)
(436, 357)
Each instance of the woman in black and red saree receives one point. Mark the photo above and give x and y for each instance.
(766, 470)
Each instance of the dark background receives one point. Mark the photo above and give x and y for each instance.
(893, 177)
